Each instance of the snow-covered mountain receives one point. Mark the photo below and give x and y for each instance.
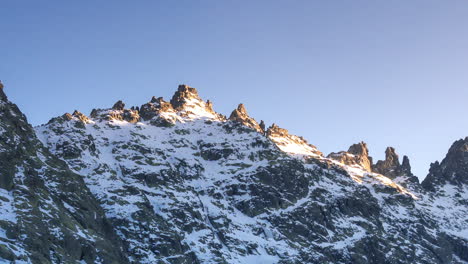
(177, 182)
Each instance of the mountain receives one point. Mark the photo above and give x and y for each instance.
(176, 182)
(48, 213)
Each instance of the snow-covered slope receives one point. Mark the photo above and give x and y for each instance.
(47, 214)
(181, 183)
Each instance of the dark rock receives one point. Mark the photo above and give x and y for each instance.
(262, 126)
(52, 204)
(119, 105)
(2, 94)
(452, 170)
(405, 166)
(391, 165)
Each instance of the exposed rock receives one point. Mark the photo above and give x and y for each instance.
(188, 104)
(48, 214)
(405, 166)
(183, 93)
(198, 193)
(357, 154)
(117, 112)
(452, 170)
(262, 126)
(154, 108)
(275, 130)
(391, 165)
(290, 143)
(67, 116)
(93, 113)
(119, 105)
(83, 118)
(209, 106)
(240, 115)
(2, 94)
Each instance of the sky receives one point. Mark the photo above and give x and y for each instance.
(390, 73)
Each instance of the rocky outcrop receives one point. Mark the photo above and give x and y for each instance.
(119, 105)
(117, 112)
(2, 94)
(240, 115)
(290, 143)
(357, 154)
(182, 95)
(48, 214)
(188, 104)
(391, 166)
(452, 170)
(156, 106)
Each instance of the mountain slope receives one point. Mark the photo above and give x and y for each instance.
(48, 214)
(180, 183)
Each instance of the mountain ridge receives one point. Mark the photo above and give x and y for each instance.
(181, 183)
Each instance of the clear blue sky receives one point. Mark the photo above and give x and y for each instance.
(391, 73)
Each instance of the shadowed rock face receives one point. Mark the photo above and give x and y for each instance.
(119, 105)
(2, 94)
(48, 215)
(240, 115)
(452, 170)
(391, 166)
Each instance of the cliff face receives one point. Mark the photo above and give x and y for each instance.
(176, 182)
(453, 170)
(48, 214)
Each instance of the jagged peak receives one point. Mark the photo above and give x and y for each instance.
(391, 166)
(118, 112)
(2, 94)
(82, 117)
(188, 104)
(290, 143)
(119, 105)
(357, 154)
(452, 170)
(158, 109)
(182, 95)
(406, 166)
(240, 115)
(359, 149)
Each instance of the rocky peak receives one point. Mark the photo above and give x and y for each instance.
(182, 95)
(240, 115)
(188, 104)
(391, 166)
(157, 105)
(76, 114)
(452, 170)
(405, 166)
(262, 126)
(2, 94)
(82, 117)
(357, 154)
(119, 105)
(275, 130)
(117, 112)
(290, 143)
